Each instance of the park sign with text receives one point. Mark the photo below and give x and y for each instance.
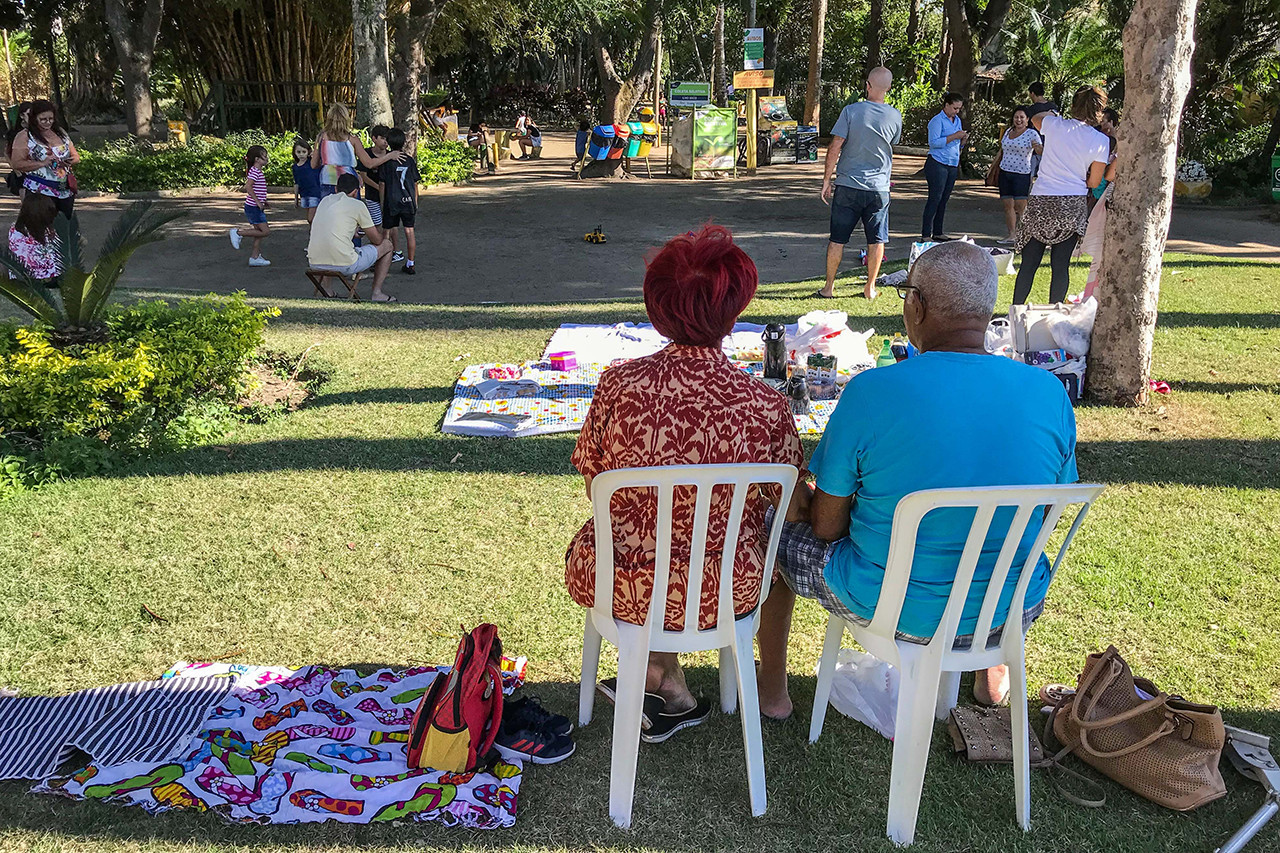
(689, 94)
(753, 79)
(753, 48)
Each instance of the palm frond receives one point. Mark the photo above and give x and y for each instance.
(137, 226)
(24, 291)
(70, 243)
(70, 251)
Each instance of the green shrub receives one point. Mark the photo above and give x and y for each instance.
(208, 161)
(163, 378)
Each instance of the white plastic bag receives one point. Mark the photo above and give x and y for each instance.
(866, 689)
(1004, 261)
(1072, 330)
(918, 249)
(998, 334)
(825, 333)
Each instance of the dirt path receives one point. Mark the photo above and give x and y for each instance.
(517, 236)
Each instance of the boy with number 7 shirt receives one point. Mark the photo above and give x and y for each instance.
(399, 188)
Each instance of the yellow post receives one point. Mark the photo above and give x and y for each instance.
(753, 112)
(657, 90)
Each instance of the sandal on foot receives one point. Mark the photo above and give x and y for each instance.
(385, 301)
(820, 295)
(667, 725)
(653, 703)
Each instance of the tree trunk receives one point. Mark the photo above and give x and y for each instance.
(718, 81)
(961, 67)
(913, 35)
(944, 53)
(813, 88)
(408, 62)
(1273, 137)
(134, 31)
(874, 35)
(369, 44)
(1158, 45)
(697, 54)
(621, 94)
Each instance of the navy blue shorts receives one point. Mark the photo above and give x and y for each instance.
(849, 206)
(1014, 185)
(255, 214)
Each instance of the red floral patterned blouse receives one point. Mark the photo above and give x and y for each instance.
(681, 406)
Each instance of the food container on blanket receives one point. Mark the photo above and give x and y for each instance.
(601, 141)
(636, 130)
(504, 372)
(621, 141)
(563, 360)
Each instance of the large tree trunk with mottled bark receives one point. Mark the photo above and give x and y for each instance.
(718, 70)
(1158, 44)
(813, 89)
(970, 31)
(369, 43)
(411, 25)
(623, 91)
(913, 36)
(134, 27)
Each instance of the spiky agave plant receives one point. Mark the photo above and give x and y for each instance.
(75, 308)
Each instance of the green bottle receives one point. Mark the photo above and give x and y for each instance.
(886, 356)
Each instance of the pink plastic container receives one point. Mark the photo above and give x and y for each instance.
(564, 360)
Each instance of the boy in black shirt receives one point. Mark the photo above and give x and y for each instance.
(399, 190)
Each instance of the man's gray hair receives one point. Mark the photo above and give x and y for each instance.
(880, 78)
(957, 280)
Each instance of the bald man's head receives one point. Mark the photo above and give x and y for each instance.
(879, 81)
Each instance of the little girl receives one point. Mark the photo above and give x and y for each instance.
(255, 206)
(306, 180)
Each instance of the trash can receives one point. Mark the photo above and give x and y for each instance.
(637, 138)
(1275, 176)
(621, 141)
(601, 141)
(650, 137)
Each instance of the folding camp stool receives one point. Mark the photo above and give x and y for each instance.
(318, 276)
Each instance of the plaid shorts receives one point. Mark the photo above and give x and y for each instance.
(802, 562)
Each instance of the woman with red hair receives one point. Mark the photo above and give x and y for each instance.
(684, 405)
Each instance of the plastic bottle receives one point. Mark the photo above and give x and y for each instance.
(886, 357)
(775, 351)
(899, 348)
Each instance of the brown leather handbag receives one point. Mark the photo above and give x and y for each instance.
(1159, 746)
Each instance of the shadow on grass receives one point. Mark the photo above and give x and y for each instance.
(1215, 320)
(1225, 387)
(1230, 463)
(429, 394)
(691, 796)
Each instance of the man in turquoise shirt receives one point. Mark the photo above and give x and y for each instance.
(942, 166)
(952, 417)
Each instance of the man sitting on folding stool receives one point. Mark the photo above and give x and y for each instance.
(335, 223)
(952, 417)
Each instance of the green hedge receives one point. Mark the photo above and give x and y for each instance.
(75, 410)
(208, 161)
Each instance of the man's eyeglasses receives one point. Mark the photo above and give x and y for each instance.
(904, 288)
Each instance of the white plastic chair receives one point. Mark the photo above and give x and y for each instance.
(930, 674)
(733, 637)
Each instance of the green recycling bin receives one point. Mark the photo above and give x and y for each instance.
(1275, 176)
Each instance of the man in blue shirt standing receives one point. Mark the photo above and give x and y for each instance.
(855, 178)
(942, 166)
(952, 417)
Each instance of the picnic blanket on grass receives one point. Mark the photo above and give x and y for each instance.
(306, 746)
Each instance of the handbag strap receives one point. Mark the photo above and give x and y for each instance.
(1055, 768)
(1111, 656)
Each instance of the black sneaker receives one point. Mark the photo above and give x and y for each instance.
(527, 713)
(665, 725)
(409, 269)
(535, 746)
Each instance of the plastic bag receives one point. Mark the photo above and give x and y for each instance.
(866, 689)
(1004, 261)
(918, 249)
(1073, 329)
(825, 333)
(998, 334)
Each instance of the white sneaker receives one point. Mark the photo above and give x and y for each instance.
(259, 262)
(397, 257)
(235, 238)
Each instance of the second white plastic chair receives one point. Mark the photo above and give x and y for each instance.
(930, 674)
(731, 636)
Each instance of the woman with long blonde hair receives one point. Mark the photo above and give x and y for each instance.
(337, 150)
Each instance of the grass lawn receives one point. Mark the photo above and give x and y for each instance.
(353, 531)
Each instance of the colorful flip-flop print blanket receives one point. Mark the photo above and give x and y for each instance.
(306, 746)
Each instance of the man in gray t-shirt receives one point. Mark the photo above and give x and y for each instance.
(855, 179)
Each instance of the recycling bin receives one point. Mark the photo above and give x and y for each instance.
(601, 141)
(637, 138)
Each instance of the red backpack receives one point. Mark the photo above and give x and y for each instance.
(459, 717)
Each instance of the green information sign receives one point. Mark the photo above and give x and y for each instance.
(752, 48)
(689, 94)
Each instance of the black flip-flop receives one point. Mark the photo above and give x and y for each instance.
(820, 295)
(667, 725)
(653, 703)
(389, 300)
